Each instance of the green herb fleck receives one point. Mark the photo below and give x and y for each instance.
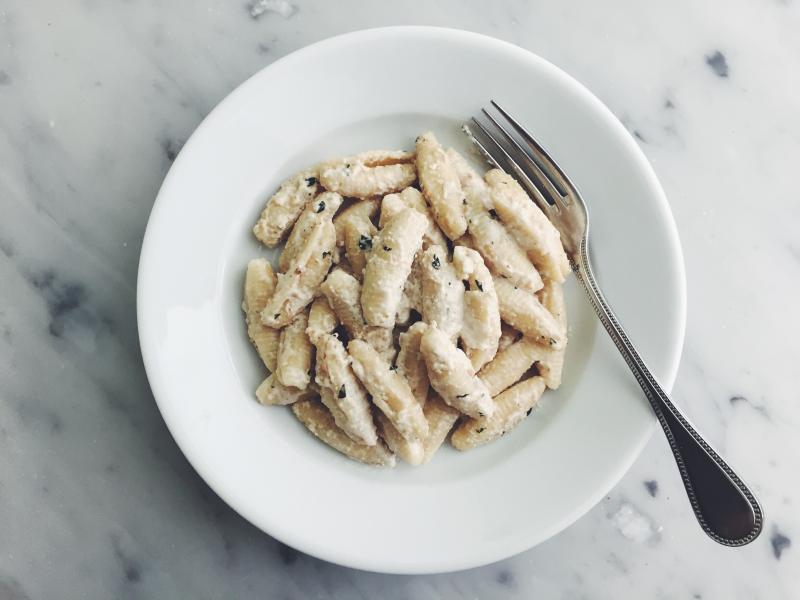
(387, 249)
(479, 285)
(480, 430)
(342, 392)
(530, 410)
(320, 206)
(493, 213)
(326, 253)
(436, 263)
(463, 396)
(364, 243)
(311, 181)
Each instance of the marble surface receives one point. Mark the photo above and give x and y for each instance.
(96, 99)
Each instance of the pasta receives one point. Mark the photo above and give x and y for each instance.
(441, 186)
(272, 392)
(523, 311)
(488, 236)
(390, 391)
(528, 224)
(320, 208)
(285, 206)
(342, 392)
(369, 174)
(452, 376)
(411, 362)
(513, 405)
(480, 331)
(442, 292)
(320, 422)
(293, 368)
(397, 318)
(259, 284)
(296, 288)
(389, 265)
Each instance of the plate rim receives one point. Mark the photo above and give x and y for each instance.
(642, 165)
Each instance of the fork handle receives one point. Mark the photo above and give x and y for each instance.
(725, 508)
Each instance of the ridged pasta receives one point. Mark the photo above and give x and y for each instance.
(513, 406)
(320, 208)
(259, 285)
(389, 265)
(272, 392)
(452, 376)
(411, 363)
(297, 287)
(522, 310)
(293, 367)
(441, 186)
(530, 227)
(390, 391)
(373, 173)
(442, 292)
(319, 421)
(283, 209)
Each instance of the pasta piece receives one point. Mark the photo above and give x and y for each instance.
(441, 419)
(511, 364)
(508, 335)
(389, 265)
(362, 209)
(551, 365)
(487, 235)
(293, 368)
(411, 451)
(272, 392)
(359, 236)
(528, 224)
(480, 331)
(296, 288)
(412, 289)
(412, 198)
(320, 422)
(343, 292)
(390, 391)
(523, 311)
(452, 376)
(373, 173)
(441, 186)
(411, 362)
(342, 392)
(321, 208)
(321, 320)
(513, 405)
(442, 292)
(259, 284)
(285, 206)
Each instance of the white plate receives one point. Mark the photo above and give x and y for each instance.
(380, 88)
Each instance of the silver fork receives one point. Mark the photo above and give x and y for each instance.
(725, 508)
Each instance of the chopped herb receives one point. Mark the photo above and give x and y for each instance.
(326, 253)
(530, 410)
(466, 284)
(480, 430)
(387, 249)
(364, 243)
(551, 341)
(320, 206)
(347, 166)
(479, 285)
(276, 315)
(480, 414)
(393, 368)
(463, 396)
(493, 213)
(464, 201)
(436, 263)
(342, 392)
(311, 181)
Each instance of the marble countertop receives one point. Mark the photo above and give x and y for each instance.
(96, 99)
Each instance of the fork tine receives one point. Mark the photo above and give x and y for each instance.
(535, 172)
(510, 166)
(554, 173)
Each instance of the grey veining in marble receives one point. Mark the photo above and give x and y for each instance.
(96, 100)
